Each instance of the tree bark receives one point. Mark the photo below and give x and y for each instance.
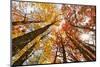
(21, 41)
(87, 54)
(23, 57)
(25, 22)
(55, 56)
(64, 54)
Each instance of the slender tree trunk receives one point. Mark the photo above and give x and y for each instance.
(23, 57)
(64, 54)
(26, 22)
(71, 55)
(87, 47)
(21, 41)
(87, 54)
(82, 27)
(55, 56)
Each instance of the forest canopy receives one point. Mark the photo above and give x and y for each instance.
(48, 33)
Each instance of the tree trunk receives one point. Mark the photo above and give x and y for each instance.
(26, 22)
(64, 52)
(23, 57)
(55, 56)
(87, 54)
(21, 41)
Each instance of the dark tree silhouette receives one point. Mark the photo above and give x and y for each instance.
(21, 41)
